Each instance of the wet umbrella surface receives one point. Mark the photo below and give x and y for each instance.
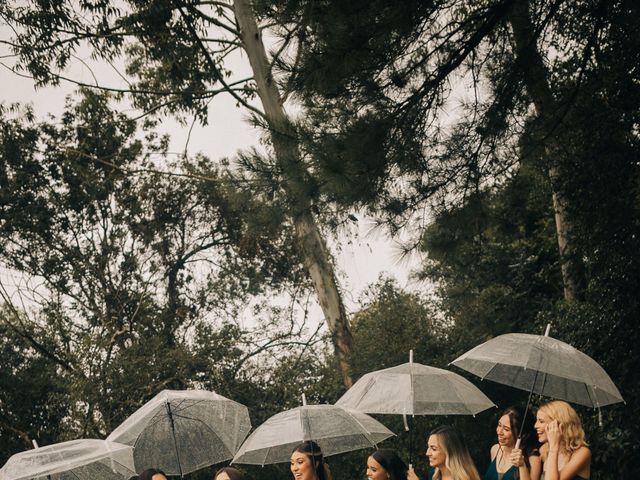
(86, 459)
(335, 429)
(182, 431)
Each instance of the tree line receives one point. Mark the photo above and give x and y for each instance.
(523, 205)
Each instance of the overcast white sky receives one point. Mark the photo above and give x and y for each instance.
(359, 262)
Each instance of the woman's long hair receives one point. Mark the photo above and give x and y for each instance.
(572, 433)
(391, 462)
(232, 473)
(523, 430)
(313, 451)
(458, 459)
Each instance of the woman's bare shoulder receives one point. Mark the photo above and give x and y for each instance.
(582, 452)
(494, 451)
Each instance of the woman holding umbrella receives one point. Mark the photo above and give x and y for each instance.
(565, 454)
(507, 461)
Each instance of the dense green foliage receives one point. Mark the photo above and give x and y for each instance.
(146, 277)
(135, 279)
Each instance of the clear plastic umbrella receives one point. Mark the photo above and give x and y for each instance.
(182, 431)
(415, 389)
(86, 459)
(543, 365)
(335, 429)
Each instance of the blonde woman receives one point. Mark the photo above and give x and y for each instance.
(564, 451)
(449, 457)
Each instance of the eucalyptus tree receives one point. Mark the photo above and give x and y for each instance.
(176, 55)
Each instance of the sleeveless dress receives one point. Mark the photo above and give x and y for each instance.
(492, 473)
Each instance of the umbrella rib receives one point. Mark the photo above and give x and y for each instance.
(368, 387)
(120, 464)
(458, 387)
(488, 372)
(213, 432)
(544, 381)
(596, 403)
(177, 408)
(266, 455)
(206, 426)
(593, 404)
(156, 418)
(365, 434)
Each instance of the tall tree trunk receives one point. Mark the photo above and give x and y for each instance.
(536, 79)
(310, 242)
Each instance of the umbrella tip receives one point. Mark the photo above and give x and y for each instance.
(411, 356)
(35, 443)
(304, 400)
(548, 329)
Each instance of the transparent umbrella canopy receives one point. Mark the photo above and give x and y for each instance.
(543, 365)
(415, 389)
(86, 459)
(335, 429)
(183, 431)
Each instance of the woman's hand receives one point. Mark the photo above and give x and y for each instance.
(554, 434)
(411, 474)
(517, 458)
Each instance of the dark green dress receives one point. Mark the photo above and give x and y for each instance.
(492, 473)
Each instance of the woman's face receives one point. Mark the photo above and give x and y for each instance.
(505, 434)
(158, 476)
(542, 420)
(375, 471)
(222, 476)
(435, 453)
(301, 466)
